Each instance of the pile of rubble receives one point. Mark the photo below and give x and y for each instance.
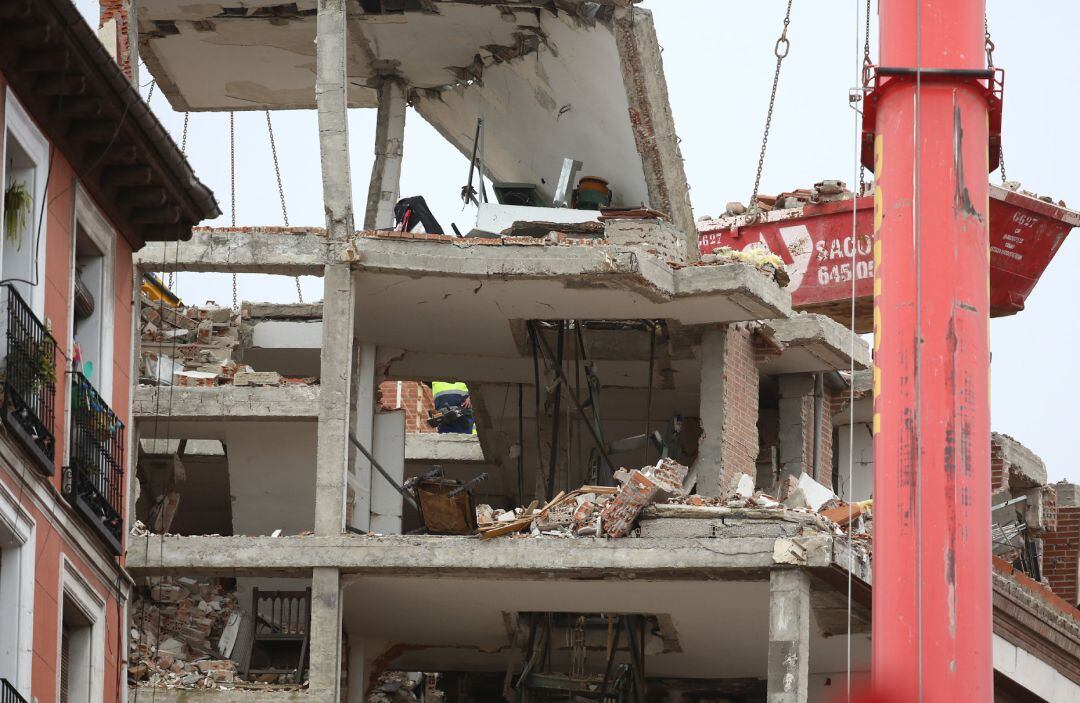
(827, 191)
(196, 346)
(183, 632)
(600, 511)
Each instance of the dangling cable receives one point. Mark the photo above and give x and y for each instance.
(917, 225)
(861, 76)
(183, 150)
(280, 189)
(783, 46)
(232, 190)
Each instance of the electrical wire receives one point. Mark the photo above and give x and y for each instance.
(851, 356)
(917, 224)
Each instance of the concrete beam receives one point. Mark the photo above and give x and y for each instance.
(385, 182)
(292, 401)
(464, 556)
(789, 636)
(276, 250)
(1025, 468)
(448, 448)
(813, 343)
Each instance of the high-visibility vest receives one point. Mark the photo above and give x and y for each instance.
(440, 387)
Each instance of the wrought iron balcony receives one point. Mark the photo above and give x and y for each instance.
(29, 410)
(8, 694)
(94, 480)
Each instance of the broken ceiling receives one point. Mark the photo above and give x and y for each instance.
(551, 79)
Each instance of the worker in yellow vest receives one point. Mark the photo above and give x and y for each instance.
(453, 407)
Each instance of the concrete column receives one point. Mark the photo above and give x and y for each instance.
(796, 424)
(325, 658)
(710, 460)
(332, 102)
(385, 187)
(336, 409)
(789, 636)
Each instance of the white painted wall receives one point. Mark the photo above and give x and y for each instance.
(1032, 673)
(860, 485)
(271, 476)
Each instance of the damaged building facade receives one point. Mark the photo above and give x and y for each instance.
(669, 511)
(89, 176)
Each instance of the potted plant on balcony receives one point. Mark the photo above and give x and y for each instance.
(17, 209)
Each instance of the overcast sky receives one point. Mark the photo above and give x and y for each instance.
(719, 63)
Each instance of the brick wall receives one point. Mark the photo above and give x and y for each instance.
(999, 470)
(416, 400)
(740, 404)
(826, 470)
(119, 10)
(1061, 555)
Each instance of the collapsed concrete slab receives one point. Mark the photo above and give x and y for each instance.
(431, 555)
(614, 118)
(239, 403)
(289, 251)
(809, 342)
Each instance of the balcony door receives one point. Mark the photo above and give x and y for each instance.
(25, 178)
(93, 296)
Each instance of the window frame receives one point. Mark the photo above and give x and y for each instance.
(75, 588)
(17, 573)
(103, 236)
(19, 124)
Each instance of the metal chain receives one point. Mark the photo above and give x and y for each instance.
(277, 169)
(150, 93)
(232, 189)
(780, 50)
(183, 150)
(867, 63)
(990, 46)
(281, 191)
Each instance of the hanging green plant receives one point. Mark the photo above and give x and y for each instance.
(17, 209)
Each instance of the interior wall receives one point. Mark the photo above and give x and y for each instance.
(860, 486)
(271, 476)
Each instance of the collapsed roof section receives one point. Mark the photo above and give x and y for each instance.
(551, 79)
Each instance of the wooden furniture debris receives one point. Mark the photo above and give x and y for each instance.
(279, 635)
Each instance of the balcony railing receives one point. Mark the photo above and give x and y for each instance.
(29, 410)
(94, 481)
(8, 694)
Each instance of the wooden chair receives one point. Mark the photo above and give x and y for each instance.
(280, 631)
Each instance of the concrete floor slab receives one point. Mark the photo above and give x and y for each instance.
(235, 403)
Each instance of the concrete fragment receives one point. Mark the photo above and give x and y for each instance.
(744, 487)
(257, 378)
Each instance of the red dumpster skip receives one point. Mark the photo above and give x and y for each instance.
(816, 243)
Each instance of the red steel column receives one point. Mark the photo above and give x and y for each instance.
(932, 570)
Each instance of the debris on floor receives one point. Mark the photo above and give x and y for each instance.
(183, 631)
(602, 511)
(196, 347)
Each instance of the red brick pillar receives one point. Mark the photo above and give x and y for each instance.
(729, 409)
(411, 396)
(1061, 555)
(120, 11)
